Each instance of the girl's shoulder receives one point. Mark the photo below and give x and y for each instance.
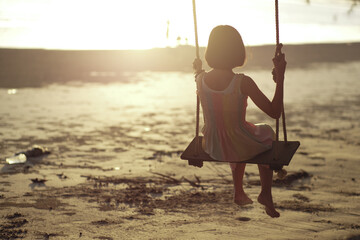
(247, 85)
(244, 79)
(244, 82)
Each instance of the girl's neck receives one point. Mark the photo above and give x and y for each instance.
(223, 71)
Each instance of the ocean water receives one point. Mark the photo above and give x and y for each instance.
(154, 113)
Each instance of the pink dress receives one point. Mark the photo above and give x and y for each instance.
(228, 136)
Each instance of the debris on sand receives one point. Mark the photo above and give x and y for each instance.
(301, 197)
(147, 194)
(286, 181)
(36, 151)
(17, 158)
(290, 178)
(22, 157)
(15, 215)
(10, 229)
(38, 181)
(303, 206)
(61, 176)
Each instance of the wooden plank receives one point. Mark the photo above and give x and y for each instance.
(285, 153)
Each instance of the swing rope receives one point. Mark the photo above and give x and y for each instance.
(277, 52)
(196, 31)
(198, 70)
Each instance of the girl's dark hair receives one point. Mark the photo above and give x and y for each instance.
(225, 48)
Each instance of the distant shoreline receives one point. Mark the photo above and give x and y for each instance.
(181, 45)
(35, 67)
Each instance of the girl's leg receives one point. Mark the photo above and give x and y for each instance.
(240, 197)
(265, 197)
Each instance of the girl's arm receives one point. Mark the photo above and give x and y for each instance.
(273, 108)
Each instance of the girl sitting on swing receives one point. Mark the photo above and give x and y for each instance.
(223, 96)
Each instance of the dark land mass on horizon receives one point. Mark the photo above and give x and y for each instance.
(37, 67)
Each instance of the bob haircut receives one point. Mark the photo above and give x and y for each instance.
(225, 48)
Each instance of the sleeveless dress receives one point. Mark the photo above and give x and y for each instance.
(227, 135)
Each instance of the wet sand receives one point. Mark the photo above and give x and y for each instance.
(114, 170)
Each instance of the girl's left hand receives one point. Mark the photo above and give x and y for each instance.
(197, 65)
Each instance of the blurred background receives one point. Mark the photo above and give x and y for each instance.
(141, 24)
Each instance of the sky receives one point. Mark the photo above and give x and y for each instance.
(144, 24)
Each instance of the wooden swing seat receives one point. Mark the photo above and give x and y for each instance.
(285, 152)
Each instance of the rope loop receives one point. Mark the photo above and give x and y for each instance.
(197, 66)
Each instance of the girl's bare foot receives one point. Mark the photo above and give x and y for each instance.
(242, 200)
(269, 205)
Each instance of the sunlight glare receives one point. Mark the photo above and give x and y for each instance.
(135, 24)
(144, 24)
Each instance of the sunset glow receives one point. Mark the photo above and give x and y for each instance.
(141, 24)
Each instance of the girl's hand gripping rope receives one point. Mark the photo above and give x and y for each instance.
(279, 64)
(197, 66)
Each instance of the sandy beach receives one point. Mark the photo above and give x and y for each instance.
(114, 170)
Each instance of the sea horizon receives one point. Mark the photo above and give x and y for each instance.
(36, 67)
(180, 46)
